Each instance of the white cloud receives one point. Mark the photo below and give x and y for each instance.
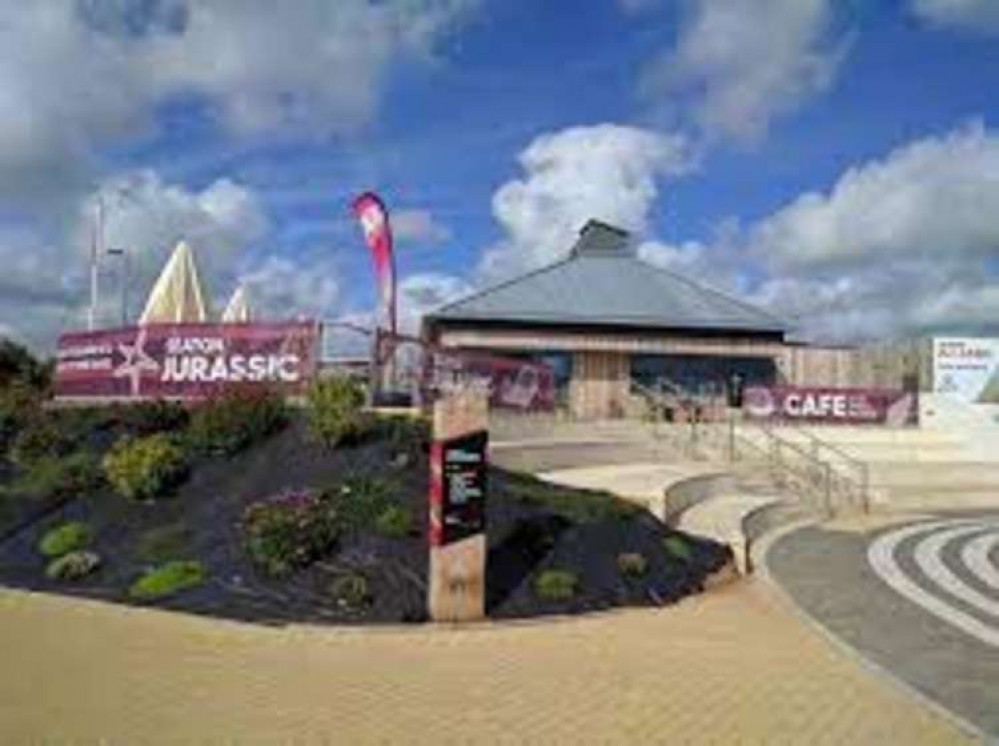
(423, 292)
(935, 197)
(608, 172)
(976, 16)
(419, 226)
(78, 75)
(738, 64)
(147, 217)
(900, 246)
(44, 288)
(280, 287)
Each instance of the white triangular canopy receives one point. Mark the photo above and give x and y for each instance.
(177, 297)
(238, 309)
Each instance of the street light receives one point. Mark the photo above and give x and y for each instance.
(123, 275)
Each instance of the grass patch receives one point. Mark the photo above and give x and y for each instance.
(556, 585)
(395, 522)
(360, 501)
(578, 506)
(632, 564)
(163, 543)
(65, 538)
(168, 579)
(677, 547)
(73, 566)
(52, 477)
(351, 592)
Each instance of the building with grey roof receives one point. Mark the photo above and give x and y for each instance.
(611, 325)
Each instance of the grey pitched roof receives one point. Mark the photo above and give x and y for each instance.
(602, 283)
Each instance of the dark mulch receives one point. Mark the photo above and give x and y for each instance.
(532, 526)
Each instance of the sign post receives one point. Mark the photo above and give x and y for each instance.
(458, 466)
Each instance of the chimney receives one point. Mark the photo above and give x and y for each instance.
(601, 239)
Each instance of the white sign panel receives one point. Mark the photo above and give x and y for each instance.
(968, 368)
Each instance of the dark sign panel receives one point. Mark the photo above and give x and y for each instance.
(832, 406)
(458, 488)
(185, 361)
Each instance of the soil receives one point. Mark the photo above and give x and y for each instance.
(526, 536)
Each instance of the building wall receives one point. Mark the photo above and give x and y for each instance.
(601, 361)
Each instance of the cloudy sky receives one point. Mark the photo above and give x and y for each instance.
(834, 160)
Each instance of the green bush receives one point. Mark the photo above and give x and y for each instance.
(148, 417)
(359, 501)
(335, 411)
(234, 420)
(144, 468)
(555, 585)
(168, 579)
(40, 439)
(394, 522)
(351, 591)
(677, 547)
(73, 475)
(73, 566)
(65, 538)
(579, 506)
(632, 564)
(163, 543)
(290, 531)
(19, 366)
(19, 405)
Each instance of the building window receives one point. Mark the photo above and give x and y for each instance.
(701, 375)
(559, 362)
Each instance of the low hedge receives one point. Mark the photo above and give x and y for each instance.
(144, 468)
(168, 579)
(290, 531)
(65, 538)
(335, 411)
(234, 420)
(73, 565)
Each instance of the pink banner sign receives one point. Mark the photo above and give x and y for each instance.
(508, 382)
(185, 361)
(832, 406)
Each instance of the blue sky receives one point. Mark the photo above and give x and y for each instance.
(698, 124)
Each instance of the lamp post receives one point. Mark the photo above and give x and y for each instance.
(123, 279)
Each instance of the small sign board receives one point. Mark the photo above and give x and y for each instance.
(459, 492)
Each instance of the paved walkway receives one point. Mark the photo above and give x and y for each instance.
(730, 667)
(918, 595)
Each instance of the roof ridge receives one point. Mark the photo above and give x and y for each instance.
(707, 288)
(500, 285)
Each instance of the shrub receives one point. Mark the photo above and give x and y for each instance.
(632, 564)
(70, 476)
(290, 531)
(19, 366)
(40, 439)
(19, 404)
(144, 468)
(234, 420)
(578, 506)
(555, 585)
(351, 591)
(394, 522)
(677, 547)
(163, 543)
(334, 411)
(359, 501)
(73, 566)
(148, 417)
(404, 434)
(168, 579)
(65, 538)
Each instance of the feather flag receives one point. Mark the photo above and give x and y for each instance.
(373, 216)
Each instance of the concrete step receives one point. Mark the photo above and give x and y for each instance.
(723, 519)
(947, 476)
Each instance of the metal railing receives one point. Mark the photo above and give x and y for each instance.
(829, 484)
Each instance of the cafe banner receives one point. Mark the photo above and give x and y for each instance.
(967, 368)
(185, 361)
(893, 408)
